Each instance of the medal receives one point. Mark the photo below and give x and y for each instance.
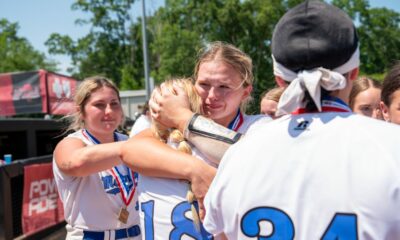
(126, 190)
(123, 215)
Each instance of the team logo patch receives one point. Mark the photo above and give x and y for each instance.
(302, 125)
(111, 186)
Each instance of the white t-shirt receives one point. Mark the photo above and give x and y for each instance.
(310, 176)
(142, 123)
(93, 202)
(164, 210)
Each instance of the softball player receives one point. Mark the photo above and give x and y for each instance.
(390, 97)
(165, 210)
(223, 83)
(97, 191)
(320, 172)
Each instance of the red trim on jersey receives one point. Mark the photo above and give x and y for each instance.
(328, 105)
(324, 109)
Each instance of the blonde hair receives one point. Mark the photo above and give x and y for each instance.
(83, 94)
(231, 55)
(175, 135)
(273, 94)
(360, 85)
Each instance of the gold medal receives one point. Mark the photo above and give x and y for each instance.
(123, 215)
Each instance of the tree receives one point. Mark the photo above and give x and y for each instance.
(109, 49)
(179, 29)
(17, 54)
(182, 27)
(379, 34)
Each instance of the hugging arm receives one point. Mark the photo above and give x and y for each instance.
(74, 158)
(212, 139)
(149, 156)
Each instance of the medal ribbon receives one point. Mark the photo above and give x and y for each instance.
(237, 121)
(329, 104)
(126, 193)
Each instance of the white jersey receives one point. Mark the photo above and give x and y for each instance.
(310, 176)
(164, 211)
(93, 202)
(142, 123)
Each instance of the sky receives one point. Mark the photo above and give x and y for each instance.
(39, 18)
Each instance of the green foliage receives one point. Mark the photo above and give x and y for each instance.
(380, 40)
(174, 53)
(17, 54)
(183, 27)
(108, 48)
(378, 76)
(179, 29)
(379, 34)
(127, 83)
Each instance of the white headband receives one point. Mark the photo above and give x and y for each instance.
(311, 80)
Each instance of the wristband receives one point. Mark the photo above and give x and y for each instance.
(199, 125)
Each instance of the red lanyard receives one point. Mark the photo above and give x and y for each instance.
(236, 122)
(126, 192)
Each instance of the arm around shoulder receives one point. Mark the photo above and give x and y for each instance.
(73, 157)
(147, 155)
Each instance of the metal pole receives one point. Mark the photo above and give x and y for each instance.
(145, 60)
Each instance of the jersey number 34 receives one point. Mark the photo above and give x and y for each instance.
(343, 226)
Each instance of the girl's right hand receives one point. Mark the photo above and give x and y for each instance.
(171, 109)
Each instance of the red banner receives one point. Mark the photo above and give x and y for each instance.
(41, 206)
(6, 96)
(23, 93)
(36, 92)
(60, 94)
